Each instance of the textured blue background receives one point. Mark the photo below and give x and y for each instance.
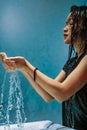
(34, 29)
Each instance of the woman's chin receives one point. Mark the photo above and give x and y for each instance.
(67, 41)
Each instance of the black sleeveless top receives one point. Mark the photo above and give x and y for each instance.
(75, 108)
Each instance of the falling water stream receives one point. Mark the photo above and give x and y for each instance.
(12, 112)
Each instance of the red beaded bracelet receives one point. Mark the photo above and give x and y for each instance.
(35, 73)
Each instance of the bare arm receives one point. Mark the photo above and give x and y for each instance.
(60, 88)
(19, 63)
(66, 88)
(61, 76)
(45, 95)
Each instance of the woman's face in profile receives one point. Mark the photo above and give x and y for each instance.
(68, 29)
(72, 29)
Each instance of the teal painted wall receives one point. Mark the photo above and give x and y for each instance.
(34, 29)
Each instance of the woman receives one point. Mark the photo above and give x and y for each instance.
(70, 86)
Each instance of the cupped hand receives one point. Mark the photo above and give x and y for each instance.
(18, 62)
(12, 63)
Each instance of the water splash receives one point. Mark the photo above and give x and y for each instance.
(13, 113)
(2, 111)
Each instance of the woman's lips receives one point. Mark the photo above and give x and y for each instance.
(65, 35)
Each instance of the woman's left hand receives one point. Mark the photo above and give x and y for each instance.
(12, 63)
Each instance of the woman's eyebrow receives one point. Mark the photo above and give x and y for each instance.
(69, 20)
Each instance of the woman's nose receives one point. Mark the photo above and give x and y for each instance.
(65, 29)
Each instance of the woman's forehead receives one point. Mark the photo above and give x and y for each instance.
(69, 18)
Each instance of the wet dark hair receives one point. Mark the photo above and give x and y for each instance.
(79, 16)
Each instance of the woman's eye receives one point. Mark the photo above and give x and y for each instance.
(70, 25)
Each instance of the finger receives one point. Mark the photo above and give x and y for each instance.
(3, 55)
(9, 62)
(10, 68)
